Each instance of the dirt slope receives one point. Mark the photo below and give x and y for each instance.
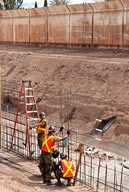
(101, 77)
(20, 175)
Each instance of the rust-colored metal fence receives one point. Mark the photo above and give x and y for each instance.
(94, 24)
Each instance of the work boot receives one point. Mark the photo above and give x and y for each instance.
(44, 180)
(58, 183)
(49, 182)
(69, 182)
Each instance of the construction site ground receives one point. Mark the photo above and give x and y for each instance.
(100, 75)
(18, 174)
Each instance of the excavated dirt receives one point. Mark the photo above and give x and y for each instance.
(99, 77)
(21, 175)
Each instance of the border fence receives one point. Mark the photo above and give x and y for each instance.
(100, 171)
(94, 24)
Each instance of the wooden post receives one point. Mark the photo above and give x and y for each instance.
(78, 164)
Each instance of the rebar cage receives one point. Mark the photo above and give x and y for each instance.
(100, 171)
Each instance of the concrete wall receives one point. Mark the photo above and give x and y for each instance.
(98, 24)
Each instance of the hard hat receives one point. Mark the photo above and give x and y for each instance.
(63, 155)
(51, 129)
(55, 154)
(42, 115)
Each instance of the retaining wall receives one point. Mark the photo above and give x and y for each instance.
(104, 23)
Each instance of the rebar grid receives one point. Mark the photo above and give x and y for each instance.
(99, 172)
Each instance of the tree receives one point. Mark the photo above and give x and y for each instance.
(11, 4)
(35, 4)
(45, 3)
(59, 2)
(1, 6)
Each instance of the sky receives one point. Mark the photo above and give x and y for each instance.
(30, 3)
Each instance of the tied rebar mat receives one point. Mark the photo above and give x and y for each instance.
(98, 169)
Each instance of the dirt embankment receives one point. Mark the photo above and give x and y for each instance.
(100, 78)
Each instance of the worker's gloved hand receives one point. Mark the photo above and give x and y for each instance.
(68, 132)
(61, 129)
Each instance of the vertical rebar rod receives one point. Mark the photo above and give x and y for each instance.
(98, 173)
(0, 108)
(115, 175)
(61, 116)
(85, 166)
(76, 129)
(106, 173)
(121, 179)
(68, 118)
(91, 172)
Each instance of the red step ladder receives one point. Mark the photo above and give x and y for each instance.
(30, 108)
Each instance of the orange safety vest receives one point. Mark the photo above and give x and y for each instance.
(47, 143)
(41, 129)
(68, 168)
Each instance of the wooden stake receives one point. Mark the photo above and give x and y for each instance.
(78, 164)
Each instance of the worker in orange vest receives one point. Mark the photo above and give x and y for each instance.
(41, 128)
(48, 146)
(64, 169)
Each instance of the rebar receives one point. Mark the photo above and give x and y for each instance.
(61, 102)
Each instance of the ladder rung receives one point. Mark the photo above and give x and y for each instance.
(28, 88)
(26, 81)
(98, 130)
(29, 96)
(32, 111)
(30, 103)
(33, 119)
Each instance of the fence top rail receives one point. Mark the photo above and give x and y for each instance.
(57, 10)
(107, 6)
(5, 14)
(37, 11)
(19, 13)
(80, 8)
(125, 3)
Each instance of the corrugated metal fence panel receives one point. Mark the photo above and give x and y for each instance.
(6, 30)
(80, 24)
(20, 25)
(125, 4)
(38, 25)
(58, 24)
(107, 29)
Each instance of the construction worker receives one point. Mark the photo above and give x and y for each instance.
(41, 128)
(55, 155)
(64, 169)
(48, 145)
